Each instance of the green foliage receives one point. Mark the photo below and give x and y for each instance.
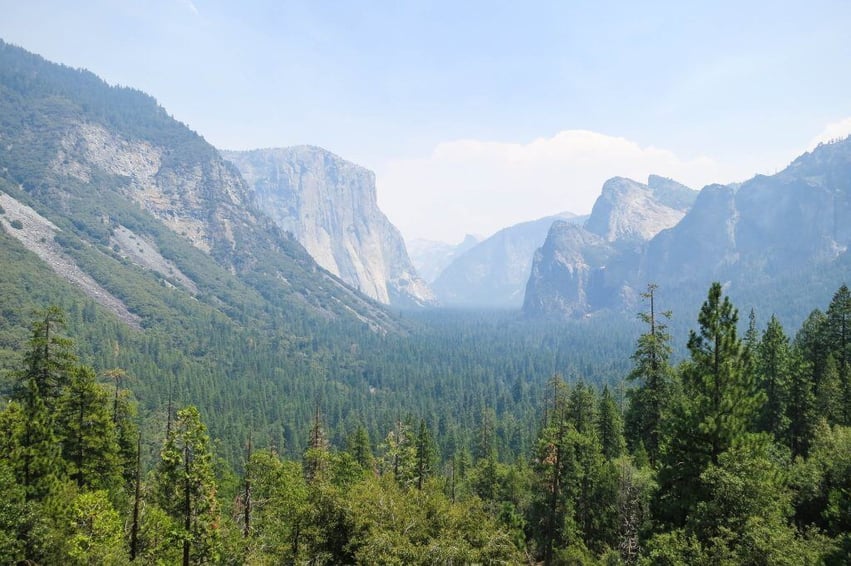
(12, 514)
(186, 486)
(88, 433)
(610, 426)
(436, 530)
(773, 366)
(575, 497)
(652, 370)
(97, 531)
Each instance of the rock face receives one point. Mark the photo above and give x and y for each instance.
(770, 226)
(579, 268)
(567, 272)
(630, 211)
(138, 198)
(331, 208)
(766, 240)
(493, 273)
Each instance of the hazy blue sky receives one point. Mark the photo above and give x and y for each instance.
(476, 115)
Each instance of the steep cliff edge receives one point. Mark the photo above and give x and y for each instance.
(330, 206)
(582, 269)
(107, 165)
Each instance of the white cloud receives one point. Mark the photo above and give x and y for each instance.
(473, 186)
(833, 131)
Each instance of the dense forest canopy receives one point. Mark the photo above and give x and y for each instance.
(737, 454)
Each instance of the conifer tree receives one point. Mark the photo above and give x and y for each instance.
(48, 359)
(550, 508)
(829, 396)
(359, 446)
(316, 455)
(87, 432)
(186, 486)
(839, 345)
(773, 367)
(426, 454)
(800, 409)
(652, 371)
(719, 405)
(719, 381)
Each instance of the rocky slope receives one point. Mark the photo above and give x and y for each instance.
(330, 206)
(108, 166)
(493, 273)
(578, 269)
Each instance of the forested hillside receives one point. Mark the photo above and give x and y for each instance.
(736, 455)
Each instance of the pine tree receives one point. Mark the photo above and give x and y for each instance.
(829, 396)
(719, 405)
(316, 455)
(800, 409)
(582, 409)
(839, 345)
(652, 370)
(48, 359)
(550, 511)
(359, 446)
(772, 362)
(186, 486)
(426, 454)
(719, 382)
(87, 432)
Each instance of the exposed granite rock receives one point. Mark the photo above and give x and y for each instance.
(582, 269)
(493, 273)
(566, 272)
(330, 206)
(629, 211)
(37, 234)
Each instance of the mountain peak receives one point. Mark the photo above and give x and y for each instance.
(627, 210)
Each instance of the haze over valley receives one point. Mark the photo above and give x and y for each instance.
(315, 283)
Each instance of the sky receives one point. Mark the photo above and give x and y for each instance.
(476, 115)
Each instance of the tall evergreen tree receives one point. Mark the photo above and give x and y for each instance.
(88, 433)
(426, 454)
(550, 510)
(316, 455)
(719, 381)
(360, 447)
(48, 359)
(800, 408)
(654, 375)
(719, 405)
(839, 345)
(773, 369)
(186, 487)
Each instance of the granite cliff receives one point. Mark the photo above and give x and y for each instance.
(330, 206)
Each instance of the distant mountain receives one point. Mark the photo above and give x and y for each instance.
(772, 240)
(120, 199)
(330, 206)
(578, 269)
(431, 258)
(493, 273)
